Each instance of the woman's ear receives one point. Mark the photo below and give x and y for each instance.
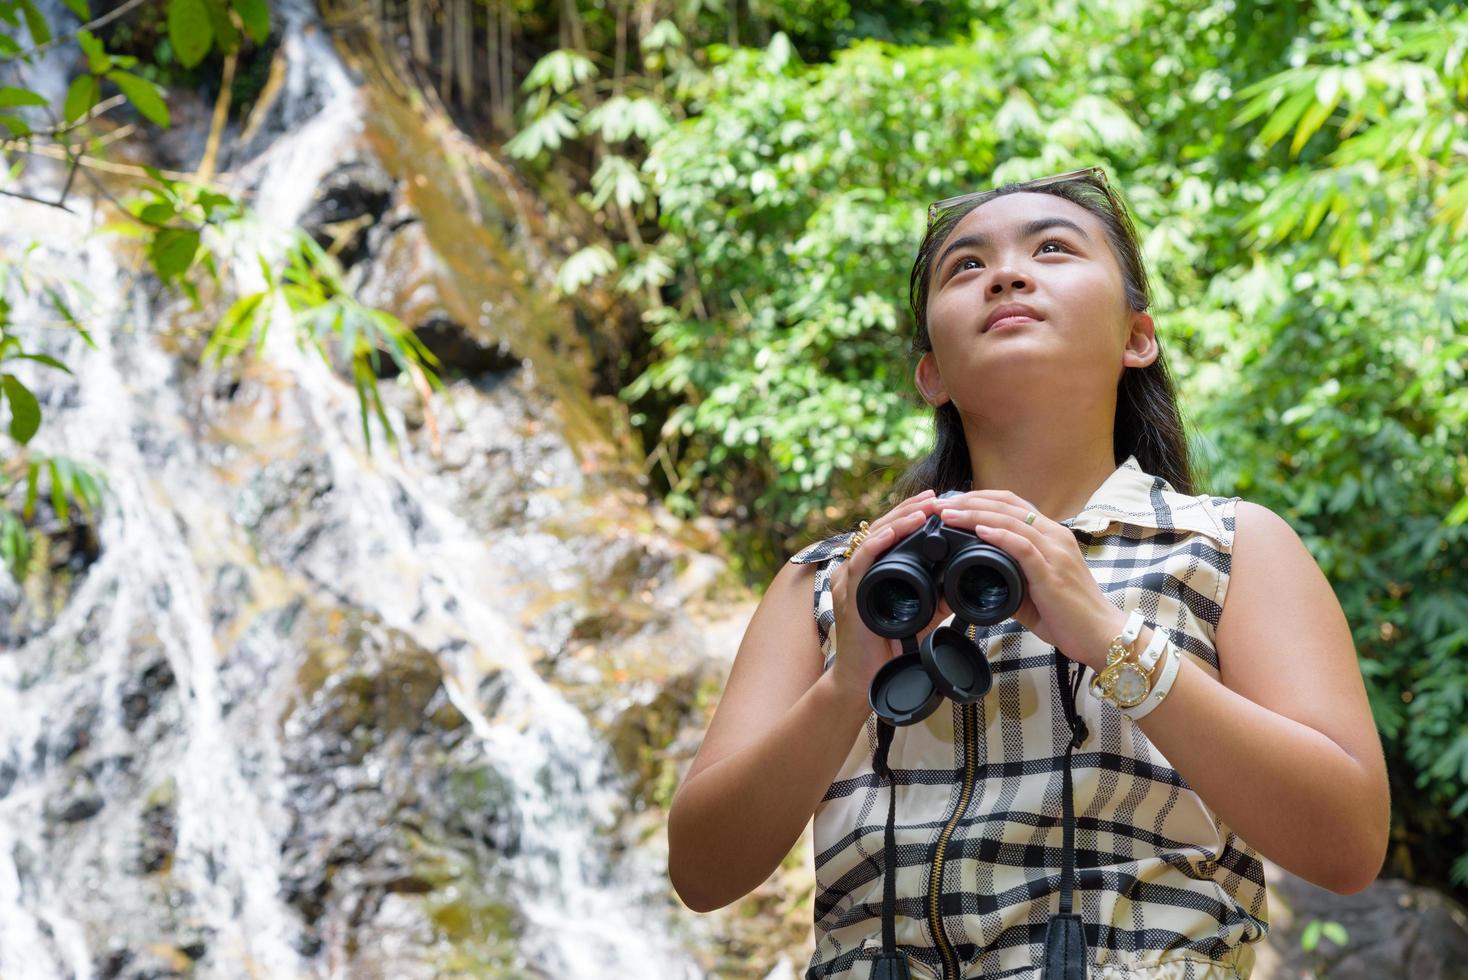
(929, 381)
(1141, 342)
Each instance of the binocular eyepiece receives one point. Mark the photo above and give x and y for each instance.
(897, 597)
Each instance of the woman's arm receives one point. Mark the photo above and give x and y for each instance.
(1283, 749)
(778, 738)
(782, 729)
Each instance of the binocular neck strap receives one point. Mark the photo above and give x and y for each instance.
(890, 964)
(889, 840)
(1065, 936)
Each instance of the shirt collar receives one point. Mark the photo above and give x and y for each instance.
(1132, 496)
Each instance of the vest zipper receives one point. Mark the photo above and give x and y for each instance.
(968, 718)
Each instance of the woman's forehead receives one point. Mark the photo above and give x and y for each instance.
(1006, 216)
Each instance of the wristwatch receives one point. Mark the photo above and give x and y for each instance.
(1123, 682)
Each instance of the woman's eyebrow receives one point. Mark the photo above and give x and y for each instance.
(981, 240)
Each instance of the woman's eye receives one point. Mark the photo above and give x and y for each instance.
(965, 263)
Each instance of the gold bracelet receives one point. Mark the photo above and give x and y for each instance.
(856, 540)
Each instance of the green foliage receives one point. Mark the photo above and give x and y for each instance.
(1317, 929)
(1299, 179)
(331, 321)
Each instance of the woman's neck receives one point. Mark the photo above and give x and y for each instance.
(1053, 459)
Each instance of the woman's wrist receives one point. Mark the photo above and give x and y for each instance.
(1108, 626)
(849, 704)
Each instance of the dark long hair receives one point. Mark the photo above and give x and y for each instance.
(1148, 424)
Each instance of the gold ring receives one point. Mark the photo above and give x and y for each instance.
(1030, 517)
(856, 539)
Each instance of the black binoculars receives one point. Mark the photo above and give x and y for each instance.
(897, 598)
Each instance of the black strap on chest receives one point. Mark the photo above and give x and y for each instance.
(1065, 935)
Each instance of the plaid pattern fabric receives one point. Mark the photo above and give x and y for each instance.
(1166, 890)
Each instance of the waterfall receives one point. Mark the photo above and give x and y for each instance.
(184, 783)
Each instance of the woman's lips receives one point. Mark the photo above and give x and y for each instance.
(1010, 321)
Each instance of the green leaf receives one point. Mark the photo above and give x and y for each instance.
(225, 33)
(11, 96)
(79, 7)
(545, 132)
(157, 213)
(143, 94)
(32, 479)
(190, 30)
(1335, 932)
(560, 70)
(45, 359)
(15, 124)
(35, 22)
(98, 60)
(58, 488)
(15, 544)
(25, 411)
(583, 267)
(83, 93)
(255, 14)
(664, 34)
(173, 251)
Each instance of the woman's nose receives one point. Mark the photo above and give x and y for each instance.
(1008, 277)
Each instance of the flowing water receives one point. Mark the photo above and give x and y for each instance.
(280, 715)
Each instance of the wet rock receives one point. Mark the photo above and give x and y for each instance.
(1392, 929)
(349, 200)
(159, 831)
(460, 354)
(61, 555)
(77, 735)
(74, 801)
(140, 695)
(642, 734)
(389, 802)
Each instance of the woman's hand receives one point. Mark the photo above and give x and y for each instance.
(860, 653)
(1063, 605)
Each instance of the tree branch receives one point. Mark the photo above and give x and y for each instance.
(102, 21)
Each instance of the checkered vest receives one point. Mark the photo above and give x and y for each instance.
(1165, 889)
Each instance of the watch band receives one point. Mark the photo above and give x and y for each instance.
(1153, 653)
(1161, 686)
(1132, 629)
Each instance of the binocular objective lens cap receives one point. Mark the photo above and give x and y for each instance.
(956, 665)
(902, 693)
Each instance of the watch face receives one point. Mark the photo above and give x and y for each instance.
(1130, 688)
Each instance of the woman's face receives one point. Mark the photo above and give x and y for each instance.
(1046, 254)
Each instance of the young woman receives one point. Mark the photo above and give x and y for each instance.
(1231, 721)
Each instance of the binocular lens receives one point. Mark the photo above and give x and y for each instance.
(895, 603)
(982, 588)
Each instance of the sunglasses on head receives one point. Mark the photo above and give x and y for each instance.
(1095, 176)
